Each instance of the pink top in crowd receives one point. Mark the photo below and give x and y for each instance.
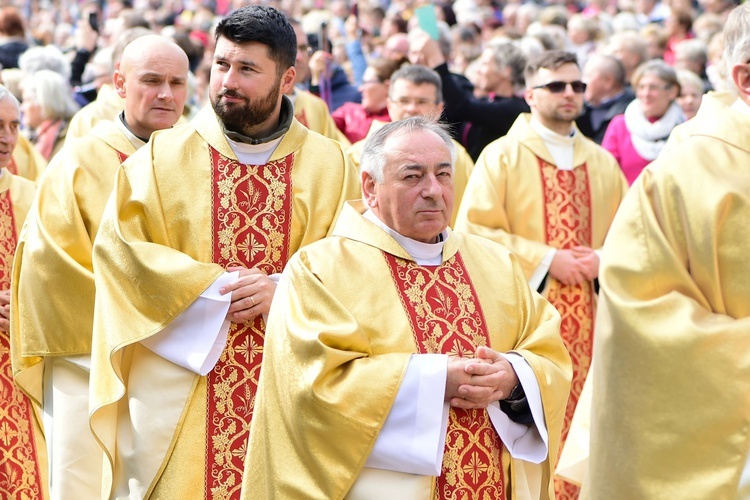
(617, 141)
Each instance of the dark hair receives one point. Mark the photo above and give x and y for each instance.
(683, 17)
(262, 24)
(551, 59)
(11, 23)
(384, 68)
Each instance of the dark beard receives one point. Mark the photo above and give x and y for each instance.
(243, 118)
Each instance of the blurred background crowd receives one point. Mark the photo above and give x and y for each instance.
(644, 61)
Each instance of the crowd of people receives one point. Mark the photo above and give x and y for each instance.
(360, 249)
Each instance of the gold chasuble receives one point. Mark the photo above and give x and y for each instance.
(312, 112)
(183, 211)
(446, 318)
(107, 105)
(26, 161)
(54, 261)
(23, 462)
(337, 349)
(60, 232)
(518, 197)
(671, 386)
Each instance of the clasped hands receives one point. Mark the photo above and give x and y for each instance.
(252, 293)
(575, 266)
(476, 382)
(5, 311)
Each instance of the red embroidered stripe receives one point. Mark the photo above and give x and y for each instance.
(19, 468)
(446, 317)
(252, 226)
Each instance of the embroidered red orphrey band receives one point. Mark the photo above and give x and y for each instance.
(567, 205)
(446, 317)
(252, 225)
(19, 468)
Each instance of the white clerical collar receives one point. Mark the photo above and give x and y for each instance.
(424, 254)
(741, 106)
(136, 141)
(254, 154)
(560, 146)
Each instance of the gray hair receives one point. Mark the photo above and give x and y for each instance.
(688, 78)
(506, 54)
(7, 94)
(418, 75)
(374, 155)
(660, 69)
(609, 65)
(629, 41)
(53, 93)
(694, 50)
(737, 37)
(47, 57)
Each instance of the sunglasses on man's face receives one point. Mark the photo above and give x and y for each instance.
(557, 87)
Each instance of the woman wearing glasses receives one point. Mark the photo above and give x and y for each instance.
(636, 137)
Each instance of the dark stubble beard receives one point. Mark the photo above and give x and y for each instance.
(243, 118)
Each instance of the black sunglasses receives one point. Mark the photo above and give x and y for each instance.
(557, 87)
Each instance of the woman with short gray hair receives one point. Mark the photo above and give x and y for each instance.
(636, 137)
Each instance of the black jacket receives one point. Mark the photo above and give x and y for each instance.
(478, 121)
(594, 121)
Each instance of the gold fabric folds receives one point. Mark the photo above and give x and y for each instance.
(55, 251)
(503, 199)
(27, 161)
(106, 106)
(153, 257)
(312, 112)
(671, 392)
(337, 348)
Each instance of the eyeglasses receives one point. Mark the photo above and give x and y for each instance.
(304, 48)
(558, 87)
(405, 101)
(651, 88)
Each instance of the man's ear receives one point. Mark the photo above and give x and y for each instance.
(287, 80)
(528, 95)
(369, 196)
(741, 78)
(118, 79)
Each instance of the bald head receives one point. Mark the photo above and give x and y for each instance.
(604, 76)
(152, 78)
(397, 46)
(151, 46)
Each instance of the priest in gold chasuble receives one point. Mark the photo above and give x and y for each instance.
(54, 260)
(549, 195)
(671, 386)
(22, 455)
(404, 360)
(200, 222)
